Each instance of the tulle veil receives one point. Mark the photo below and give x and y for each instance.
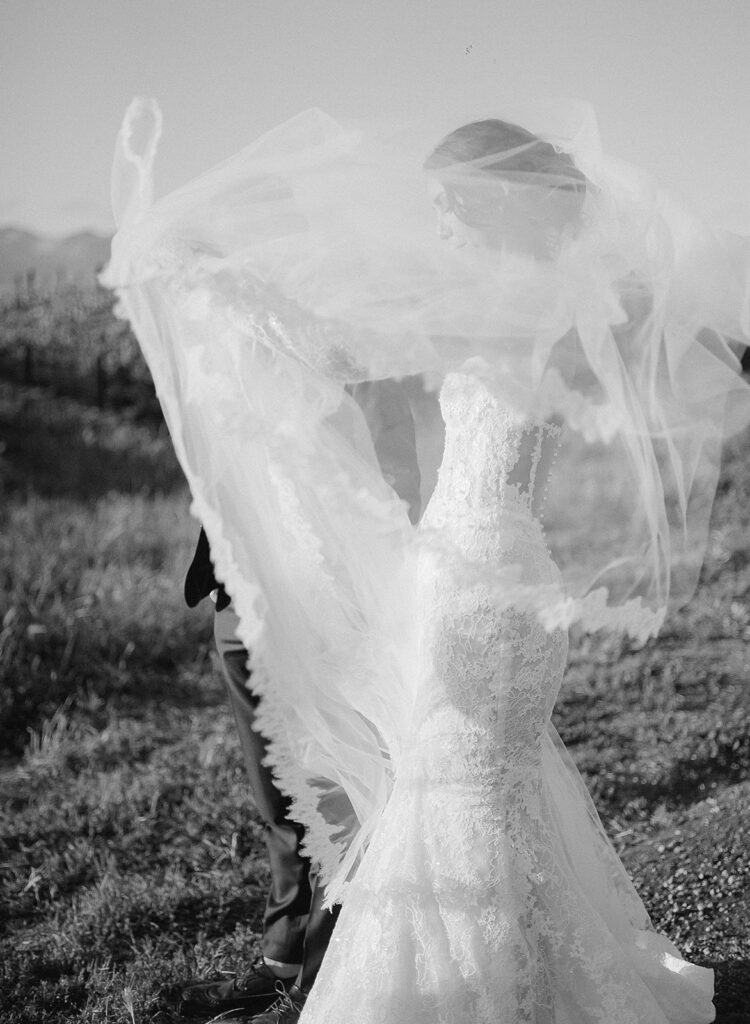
(299, 313)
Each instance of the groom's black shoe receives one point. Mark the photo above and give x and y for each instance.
(286, 1009)
(249, 995)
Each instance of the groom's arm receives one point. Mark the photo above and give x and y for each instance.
(386, 408)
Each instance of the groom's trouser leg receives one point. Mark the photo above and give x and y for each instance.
(317, 936)
(289, 914)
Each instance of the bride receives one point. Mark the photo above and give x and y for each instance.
(565, 340)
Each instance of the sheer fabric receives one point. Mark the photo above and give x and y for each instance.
(316, 242)
(555, 400)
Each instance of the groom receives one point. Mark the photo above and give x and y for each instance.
(296, 928)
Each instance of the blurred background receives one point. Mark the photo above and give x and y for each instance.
(129, 856)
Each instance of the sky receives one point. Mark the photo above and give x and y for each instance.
(669, 79)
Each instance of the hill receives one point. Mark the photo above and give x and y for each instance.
(74, 257)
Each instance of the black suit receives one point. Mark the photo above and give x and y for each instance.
(200, 579)
(296, 929)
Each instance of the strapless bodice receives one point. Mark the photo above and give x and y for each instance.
(492, 455)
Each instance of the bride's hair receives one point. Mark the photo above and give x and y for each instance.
(479, 141)
(481, 151)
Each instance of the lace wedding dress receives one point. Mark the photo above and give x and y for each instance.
(489, 893)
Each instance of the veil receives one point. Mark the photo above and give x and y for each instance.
(299, 314)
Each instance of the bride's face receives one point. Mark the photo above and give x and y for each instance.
(499, 219)
(456, 232)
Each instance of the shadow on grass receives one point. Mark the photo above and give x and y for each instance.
(57, 447)
(689, 779)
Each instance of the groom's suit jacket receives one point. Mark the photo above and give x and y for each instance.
(200, 579)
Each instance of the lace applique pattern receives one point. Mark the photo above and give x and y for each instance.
(492, 455)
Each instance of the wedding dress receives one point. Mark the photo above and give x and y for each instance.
(489, 893)
(407, 675)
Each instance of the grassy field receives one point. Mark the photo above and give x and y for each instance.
(131, 859)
